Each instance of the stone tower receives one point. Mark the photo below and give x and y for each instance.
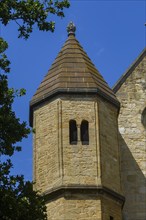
(76, 152)
(131, 92)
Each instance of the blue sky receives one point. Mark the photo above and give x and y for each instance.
(111, 32)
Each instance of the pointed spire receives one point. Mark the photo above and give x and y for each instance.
(72, 72)
(71, 28)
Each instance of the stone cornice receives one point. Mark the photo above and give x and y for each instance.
(71, 191)
(67, 91)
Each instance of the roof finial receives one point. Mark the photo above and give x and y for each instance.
(71, 28)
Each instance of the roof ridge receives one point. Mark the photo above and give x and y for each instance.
(128, 72)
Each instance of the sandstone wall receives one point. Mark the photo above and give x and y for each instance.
(80, 162)
(79, 208)
(58, 164)
(46, 152)
(132, 95)
(110, 209)
(109, 146)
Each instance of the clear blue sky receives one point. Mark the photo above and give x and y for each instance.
(111, 32)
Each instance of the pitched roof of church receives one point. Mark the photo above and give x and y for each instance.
(72, 72)
(123, 78)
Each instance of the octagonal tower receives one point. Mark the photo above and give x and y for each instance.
(76, 152)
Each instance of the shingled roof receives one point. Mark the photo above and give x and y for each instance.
(72, 72)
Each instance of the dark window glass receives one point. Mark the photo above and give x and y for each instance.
(85, 132)
(73, 132)
(111, 218)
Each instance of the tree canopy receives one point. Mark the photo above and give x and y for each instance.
(18, 201)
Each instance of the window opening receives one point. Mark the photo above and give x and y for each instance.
(143, 117)
(111, 218)
(73, 132)
(85, 132)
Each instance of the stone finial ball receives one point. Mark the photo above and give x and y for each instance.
(71, 28)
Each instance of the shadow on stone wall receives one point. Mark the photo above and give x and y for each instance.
(133, 184)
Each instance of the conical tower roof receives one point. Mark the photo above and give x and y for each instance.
(72, 72)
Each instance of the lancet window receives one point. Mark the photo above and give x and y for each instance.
(73, 132)
(85, 132)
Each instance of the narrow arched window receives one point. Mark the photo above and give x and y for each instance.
(85, 132)
(143, 117)
(73, 132)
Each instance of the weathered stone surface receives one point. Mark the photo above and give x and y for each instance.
(58, 164)
(70, 209)
(110, 208)
(132, 96)
(83, 208)
(109, 148)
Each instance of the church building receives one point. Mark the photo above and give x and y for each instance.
(89, 146)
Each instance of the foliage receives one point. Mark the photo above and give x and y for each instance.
(17, 198)
(18, 201)
(26, 13)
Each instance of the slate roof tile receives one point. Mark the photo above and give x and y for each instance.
(72, 69)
